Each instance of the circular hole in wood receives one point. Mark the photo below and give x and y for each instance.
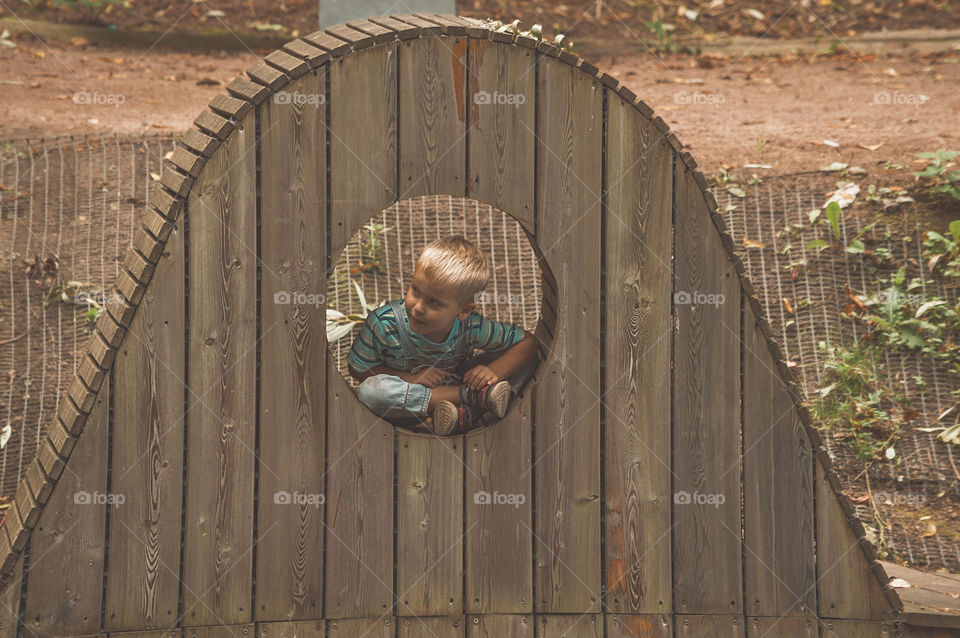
(377, 266)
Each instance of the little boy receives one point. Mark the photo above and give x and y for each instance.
(412, 353)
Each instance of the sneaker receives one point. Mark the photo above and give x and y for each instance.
(493, 397)
(449, 418)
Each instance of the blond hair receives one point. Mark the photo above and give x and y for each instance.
(457, 263)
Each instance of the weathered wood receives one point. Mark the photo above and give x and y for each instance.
(220, 631)
(847, 587)
(638, 241)
(221, 366)
(638, 625)
(169, 633)
(501, 114)
(65, 582)
(367, 627)
(791, 626)
(856, 629)
(360, 471)
(432, 103)
(429, 525)
(571, 625)
(304, 629)
(567, 446)
(435, 627)
(780, 574)
(293, 343)
(500, 626)
(499, 542)
(144, 556)
(706, 412)
(10, 602)
(709, 626)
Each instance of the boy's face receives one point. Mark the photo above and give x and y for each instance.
(432, 308)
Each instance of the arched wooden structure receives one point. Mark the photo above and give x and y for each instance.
(672, 484)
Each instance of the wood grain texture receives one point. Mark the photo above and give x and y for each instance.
(639, 625)
(433, 626)
(65, 580)
(567, 445)
(779, 563)
(709, 626)
(303, 629)
(143, 578)
(500, 626)
(10, 601)
(856, 629)
(429, 525)
(220, 631)
(294, 354)
(432, 107)
(638, 240)
(570, 625)
(218, 537)
(499, 547)
(706, 412)
(360, 454)
(501, 133)
(790, 626)
(848, 589)
(367, 627)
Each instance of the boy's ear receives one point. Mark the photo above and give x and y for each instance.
(466, 310)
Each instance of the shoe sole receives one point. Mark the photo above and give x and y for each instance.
(444, 418)
(498, 399)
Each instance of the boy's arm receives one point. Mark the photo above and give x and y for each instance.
(515, 356)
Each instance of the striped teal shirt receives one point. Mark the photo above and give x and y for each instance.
(378, 341)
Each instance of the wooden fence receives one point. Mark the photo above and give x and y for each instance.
(212, 474)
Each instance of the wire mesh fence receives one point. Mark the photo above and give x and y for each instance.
(68, 208)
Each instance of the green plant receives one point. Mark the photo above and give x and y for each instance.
(340, 325)
(855, 405)
(665, 43)
(371, 246)
(942, 252)
(942, 180)
(834, 213)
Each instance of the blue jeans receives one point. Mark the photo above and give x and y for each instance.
(405, 404)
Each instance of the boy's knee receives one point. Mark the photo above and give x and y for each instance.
(370, 388)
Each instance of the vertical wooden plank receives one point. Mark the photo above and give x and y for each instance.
(706, 408)
(499, 545)
(429, 525)
(366, 627)
(780, 572)
(143, 574)
(567, 446)
(434, 626)
(360, 454)
(293, 255)
(500, 626)
(571, 625)
(638, 625)
(709, 626)
(218, 556)
(10, 602)
(502, 118)
(65, 579)
(220, 631)
(432, 109)
(638, 239)
(792, 626)
(848, 588)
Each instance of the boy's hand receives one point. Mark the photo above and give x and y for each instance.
(430, 377)
(480, 376)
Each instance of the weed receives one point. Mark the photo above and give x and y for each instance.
(941, 179)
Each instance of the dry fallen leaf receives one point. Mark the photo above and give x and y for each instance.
(79, 41)
(870, 147)
(787, 305)
(752, 243)
(930, 530)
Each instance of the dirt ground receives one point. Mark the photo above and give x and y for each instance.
(786, 114)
